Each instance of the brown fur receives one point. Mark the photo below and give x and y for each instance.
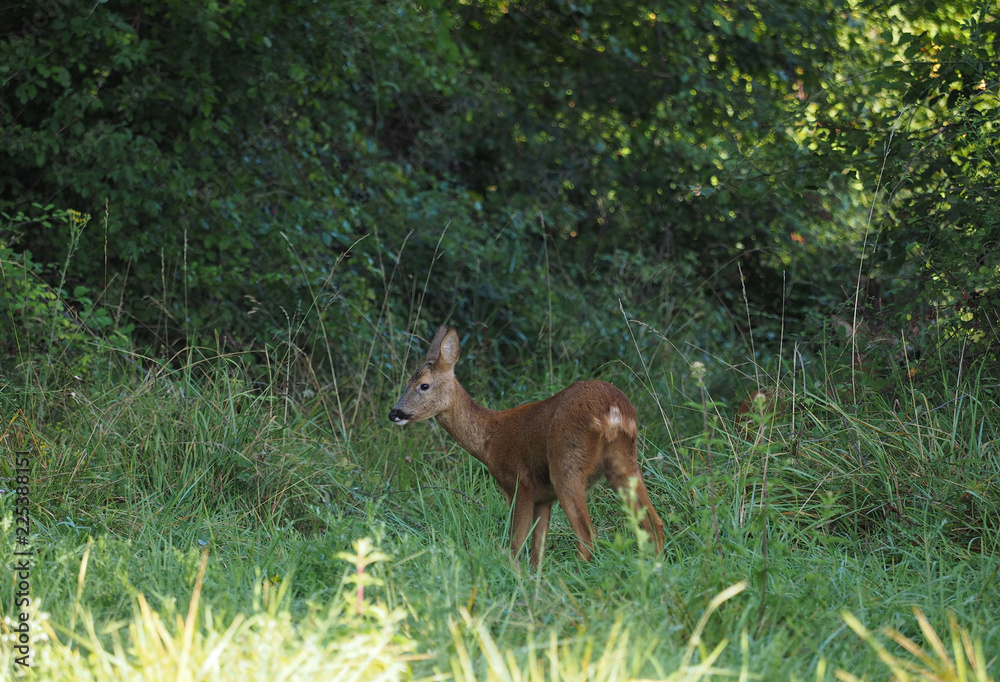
(539, 452)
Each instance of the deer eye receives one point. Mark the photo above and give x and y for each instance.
(425, 387)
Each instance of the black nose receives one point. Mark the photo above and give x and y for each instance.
(396, 415)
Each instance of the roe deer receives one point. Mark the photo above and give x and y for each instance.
(539, 452)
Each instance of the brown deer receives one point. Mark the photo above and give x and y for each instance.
(539, 452)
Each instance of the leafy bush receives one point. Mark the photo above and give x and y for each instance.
(235, 145)
(915, 115)
(242, 152)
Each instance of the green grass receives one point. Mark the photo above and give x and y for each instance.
(197, 523)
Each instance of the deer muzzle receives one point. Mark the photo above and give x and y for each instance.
(398, 417)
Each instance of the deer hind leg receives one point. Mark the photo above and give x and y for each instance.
(571, 488)
(543, 512)
(622, 467)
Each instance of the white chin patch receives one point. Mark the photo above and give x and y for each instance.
(401, 422)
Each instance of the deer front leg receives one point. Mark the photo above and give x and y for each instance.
(523, 505)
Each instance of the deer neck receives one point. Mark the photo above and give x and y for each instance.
(469, 424)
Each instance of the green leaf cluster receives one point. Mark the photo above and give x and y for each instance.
(915, 114)
(265, 171)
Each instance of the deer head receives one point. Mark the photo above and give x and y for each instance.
(431, 389)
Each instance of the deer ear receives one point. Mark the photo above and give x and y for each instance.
(449, 347)
(434, 352)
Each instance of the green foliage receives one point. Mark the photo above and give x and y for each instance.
(613, 152)
(237, 147)
(916, 116)
(661, 133)
(39, 315)
(242, 152)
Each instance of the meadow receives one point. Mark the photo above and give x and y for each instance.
(207, 519)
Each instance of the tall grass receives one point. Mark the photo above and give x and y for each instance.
(194, 481)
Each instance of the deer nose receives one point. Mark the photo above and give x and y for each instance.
(397, 416)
